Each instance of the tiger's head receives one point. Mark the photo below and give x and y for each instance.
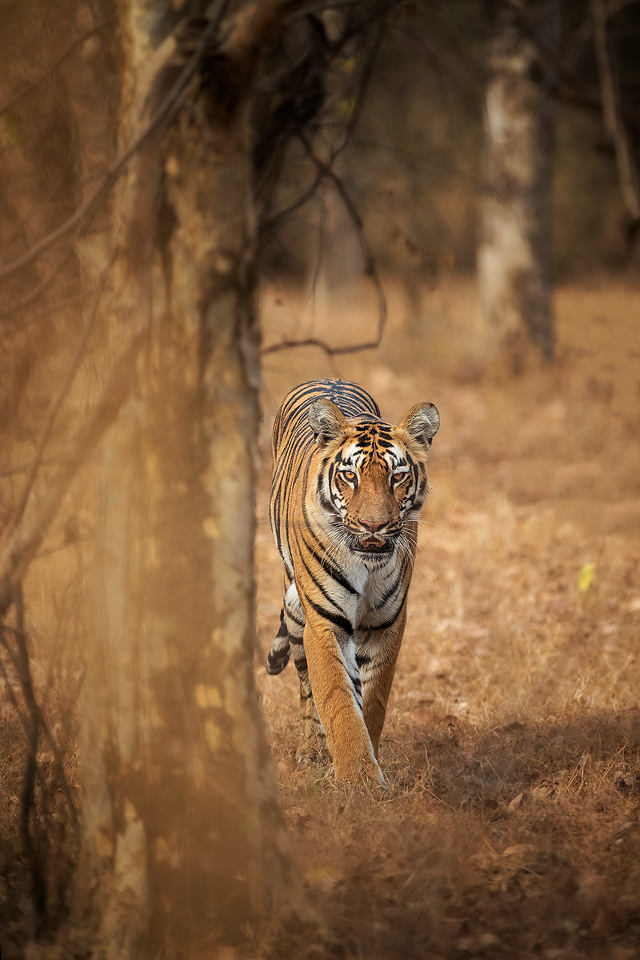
(372, 476)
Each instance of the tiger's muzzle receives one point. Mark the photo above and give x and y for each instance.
(378, 537)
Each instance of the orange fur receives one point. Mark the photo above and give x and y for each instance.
(346, 490)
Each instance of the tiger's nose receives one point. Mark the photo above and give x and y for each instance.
(373, 525)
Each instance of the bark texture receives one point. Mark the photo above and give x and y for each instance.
(515, 249)
(183, 840)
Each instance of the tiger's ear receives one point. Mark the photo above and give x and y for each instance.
(327, 421)
(421, 423)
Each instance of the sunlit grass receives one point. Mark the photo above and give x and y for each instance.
(512, 744)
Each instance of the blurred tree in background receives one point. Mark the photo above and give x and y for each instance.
(515, 250)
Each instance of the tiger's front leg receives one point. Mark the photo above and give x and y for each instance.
(377, 653)
(335, 684)
(313, 742)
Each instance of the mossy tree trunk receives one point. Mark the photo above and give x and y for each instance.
(183, 842)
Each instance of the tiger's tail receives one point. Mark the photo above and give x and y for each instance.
(280, 652)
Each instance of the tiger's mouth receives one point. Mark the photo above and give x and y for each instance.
(373, 545)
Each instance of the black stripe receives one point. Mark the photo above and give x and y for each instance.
(295, 619)
(304, 390)
(386, 624)
(329, 506)
(341, 392)
(320, 477)
(317, 583)
(299, 437)
(334, 618)
(392, 589)
(327, 565)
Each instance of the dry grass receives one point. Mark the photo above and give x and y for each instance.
(512, 746)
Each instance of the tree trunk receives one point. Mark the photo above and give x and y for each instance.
(515, 250)
(182, 831)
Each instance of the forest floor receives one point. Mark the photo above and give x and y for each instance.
(511, 824)
(511, 827)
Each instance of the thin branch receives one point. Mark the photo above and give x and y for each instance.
(66, 545)
(379, 12)
(281, 215)
(56, 63)
(40, 719)
(22, 469)
(326, 171)
(30, 845)
(37, 291)
(84, 214)
(23, 541)
(313, 342)
(370, 269)
(23, 538)
(365, 79)
(57, 307)
(255, 26)
(35, 719)
(74, 366)
(8, 684)
(322, 6)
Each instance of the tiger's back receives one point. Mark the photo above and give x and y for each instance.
(293, 442)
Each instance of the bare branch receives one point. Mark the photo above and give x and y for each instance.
(24, 536)
(8, 684)
(71, 46)
(370, 269)
(57, 307)
(62, 394)
(84, 214)
(272, 222)
(315, 342)
(255, 26)
(34, 720)
(326, 171)
(363, 85)
(65, 545)
(38, 290)
(22, 469)
(27, 794)
(23, 541)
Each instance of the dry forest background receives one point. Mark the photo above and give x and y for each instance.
(511, 825)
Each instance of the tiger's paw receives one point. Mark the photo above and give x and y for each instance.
(312, 750)
(363, 771)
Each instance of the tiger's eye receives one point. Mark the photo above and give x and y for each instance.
(348, 475)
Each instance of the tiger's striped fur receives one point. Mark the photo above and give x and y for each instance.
(347, 488)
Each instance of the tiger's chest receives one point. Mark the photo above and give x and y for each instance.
(377, 587)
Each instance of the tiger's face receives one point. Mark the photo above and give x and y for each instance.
(372, 476)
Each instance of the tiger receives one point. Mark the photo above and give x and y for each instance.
(346, 492)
